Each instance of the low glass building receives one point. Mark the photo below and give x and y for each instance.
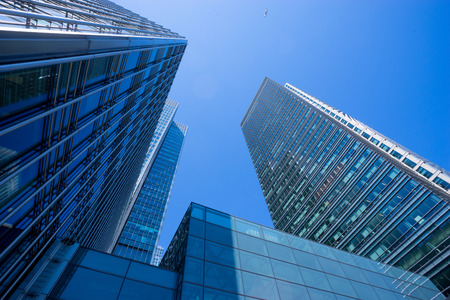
(216, 256)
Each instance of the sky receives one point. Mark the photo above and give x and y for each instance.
(385, 63)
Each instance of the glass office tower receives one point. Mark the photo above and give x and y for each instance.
(217, 256)
(82, 86)
(331, 179)
(140, 233)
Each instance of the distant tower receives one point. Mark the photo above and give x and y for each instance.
(157, 255)
(82, 86)
(330, 178)
(140, 226)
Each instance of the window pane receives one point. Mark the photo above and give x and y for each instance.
(341, 286)
(275, 236)
(222, 254)
(322, 295)
(223, 278)
(290, 291)
(193, 270)
(300, 244)
(364, 291)
(195, 247)
(259, 286)
(191, 291)
(197, 227)
(287, 271)
(344, 257)
(211, 294)
(218, 218)
(255, 263)
(331, 266)
(198, 212)
(354, 273)
(323, 250)
(248, 228)
(220, 235)
(307, 260)
(138, 290)
(105, 262)
(252, 244)
(151, 274)
(280, 252)
(87, 284)
(315, 279)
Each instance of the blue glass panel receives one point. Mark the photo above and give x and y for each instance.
(222, 254)
(193, 270)
(220, 235)
(198, 212)
(331, 266)
(275, 236)
(255, 263)
(354, 273)
(290, 291)
(364, 291)
(197, 227)
(88, 284)
(248, 228)
(341, 285)
(323, 250)
(287, 271)
(307, 260)
(364, 263)
(280, 252)
(105, 262)
(315, 279)
(252, 244)
(137, 290)
(322, 295)
(385, 294)
(151, 274)
(218, 218)
(300, 244)
(195, 247)
(212, 294)
(191, 291)
(223, 278)
(344, 257)
(375, 279)
(259, 286)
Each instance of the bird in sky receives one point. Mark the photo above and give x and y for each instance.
(265, 13)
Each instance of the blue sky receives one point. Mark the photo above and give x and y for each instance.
(385, 63)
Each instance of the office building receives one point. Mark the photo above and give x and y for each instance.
(141, 223)
(331, 179)
(157, 256)
(217, 256)
(82, 86)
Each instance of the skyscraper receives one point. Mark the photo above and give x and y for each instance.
(330, 178)
(82, 86)
(141, 222)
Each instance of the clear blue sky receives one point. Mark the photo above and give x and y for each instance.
(385, 63)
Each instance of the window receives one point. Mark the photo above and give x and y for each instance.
(442, 183)
(424, 172)
(385, 147)
(409, 162)
(396, 154)
(366, 135)
(374, 141)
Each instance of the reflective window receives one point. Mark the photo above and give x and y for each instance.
(315, 279)
(197, 227)
(137, 290)
(218, 218)
(191, 291)
(220, 235)
(259, 286)
(221, 254)
(364, 291)
(322, 295)
(255, 263)
(307, 260)
(424, 172)
(280, 252)
(290, 291)
(323, 250)
(299, 243)
(341, 285)
(195, 247)
(252, 244)
(88, 284)
(198, 212)
(105, 262)
(151, 274)
(193, 270)
(248, 228)
(354, 273)
(331, 266)
(223, 278)
(344, 257)
(287, 271)
(275, 236)
(211, 294)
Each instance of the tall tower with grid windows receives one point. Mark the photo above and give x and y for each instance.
(139, 229)
(329, 178)
(82, 86)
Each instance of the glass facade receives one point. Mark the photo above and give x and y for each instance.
(224, 257)
(140, 233)
(79, 103)
(331, 179)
